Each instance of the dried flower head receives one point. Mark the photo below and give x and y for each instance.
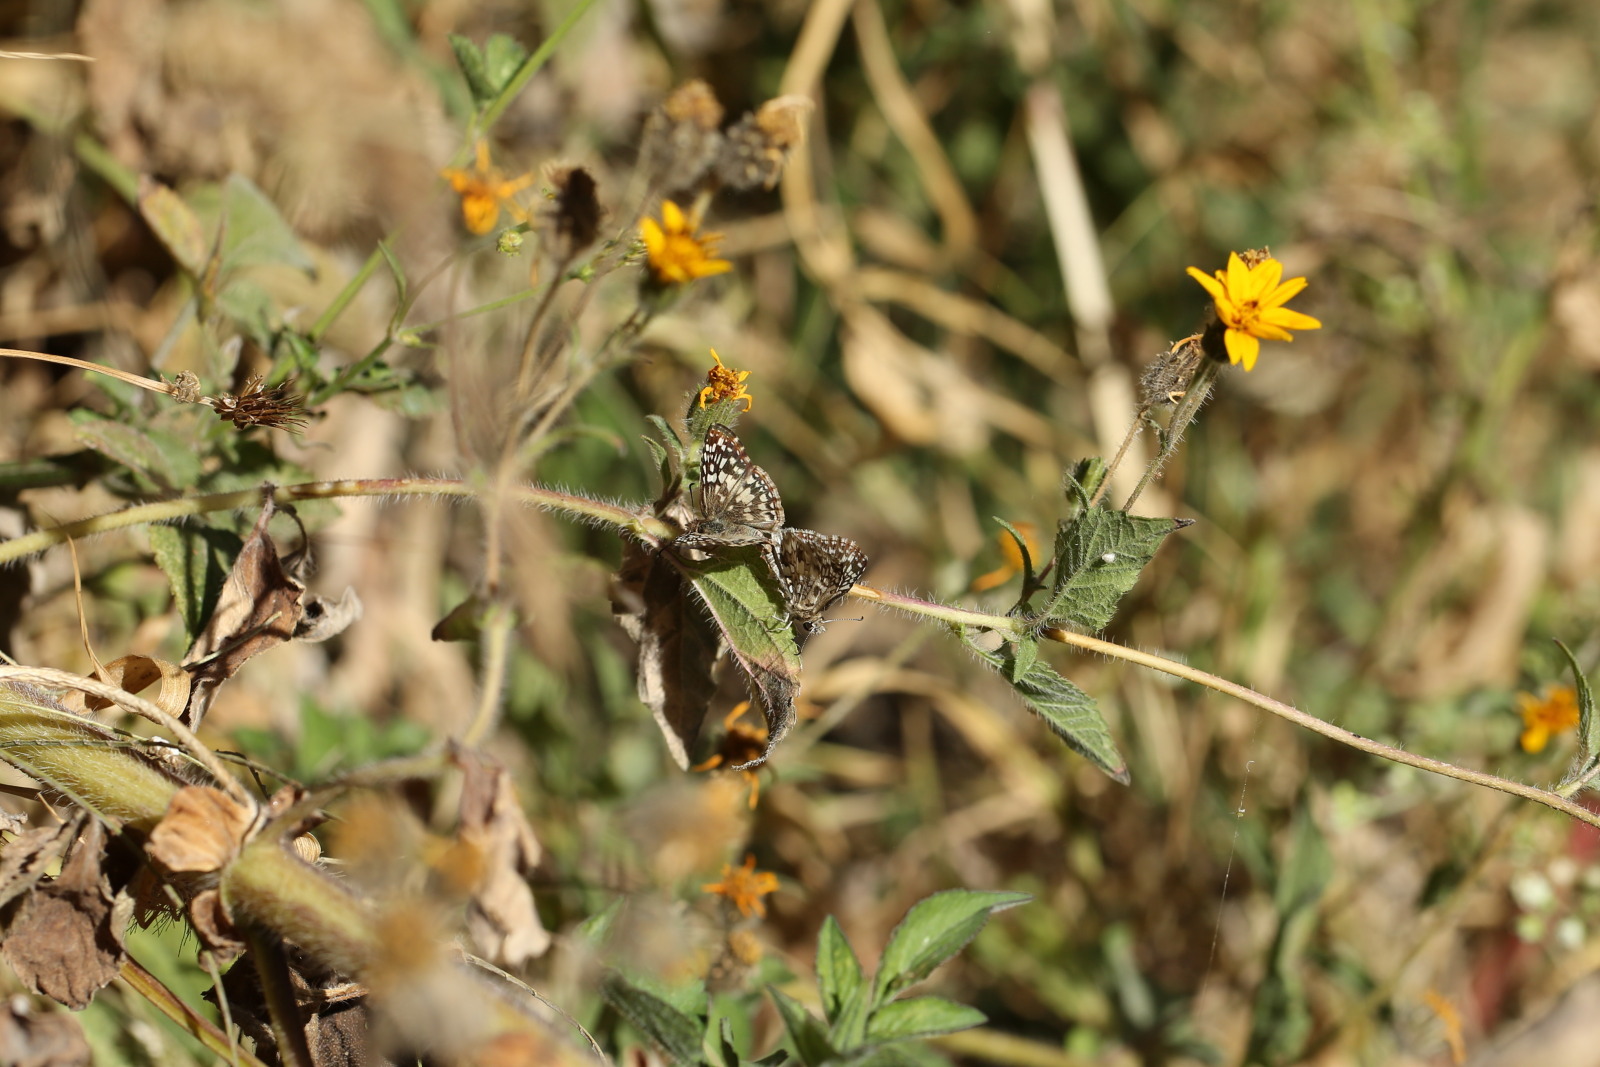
(725, 383)
(1553, 711)
(757, 146)
(1249, 298)
(279, 407)
(1167, 379)
(677, 254)
(680, 141)
(744, 887)
(575, 209)
(485, 191)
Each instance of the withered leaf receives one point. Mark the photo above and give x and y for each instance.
(213, 923)
(321, 618)
(40, 1039)
(66, 939)
(677, 645)
(259, 608)
(136, 673)
(501, 918)
(202, 831)
(25, 858)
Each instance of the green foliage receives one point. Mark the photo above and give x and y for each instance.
(488, 70)
(864, 1021)
(328, 743)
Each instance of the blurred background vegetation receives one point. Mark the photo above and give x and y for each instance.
(1395, 514)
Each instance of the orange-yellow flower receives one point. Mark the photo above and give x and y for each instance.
(725, 383)
(741, 743)
(1550, 713)
(1249, 301)
(677, 254)
(745, 886)
(1012, 555)
(484, 190)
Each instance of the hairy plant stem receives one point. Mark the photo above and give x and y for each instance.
(1014, 627)
(1187, 409)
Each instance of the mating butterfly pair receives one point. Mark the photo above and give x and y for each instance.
(738, 505)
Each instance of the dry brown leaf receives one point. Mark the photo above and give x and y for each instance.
(66, 938)
(40, 1039)
(321, 618)
(202, 831)
(677, 645)
(25, 858)
(260, 608)
(136, 673)
(213, 924)
(501, 918)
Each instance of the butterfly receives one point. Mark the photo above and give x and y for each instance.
(736, 503)
(815, 571)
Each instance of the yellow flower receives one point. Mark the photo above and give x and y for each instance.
(1550, 713)
(745, 886)
(483, 190)
(741, 743)
(725, 383)
(1250, 301)
(677, 255)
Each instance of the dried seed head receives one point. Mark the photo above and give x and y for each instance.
(681, 140)
(757, 146)
(185, 387)
(279, 407)
(575, 209)
(1167, 379)
(1254, 257)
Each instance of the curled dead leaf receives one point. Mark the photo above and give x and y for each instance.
(213, 924)
(501, 918)
(202, 831)
(137, 673)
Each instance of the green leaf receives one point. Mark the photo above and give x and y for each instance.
(159, 459)
(1099, 555)
(810, 1040)
(725, 1047)
(597, 927)
(921, 1017)
(678, 1035)
(889, 1056)
(254, 232)
(196, 560)
(473, 69)
(748, 610)
(1024, 654)
(934, 930)
(1586, 763)
(399, 274)
(839, 976)
(1065, 708)
(503, 56)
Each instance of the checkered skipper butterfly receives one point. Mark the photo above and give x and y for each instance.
(736, 502)
(816, 571)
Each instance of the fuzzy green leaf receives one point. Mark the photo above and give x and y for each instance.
(1586, 764)
(921, 1017)
(254, 232)
(503, 56)
(810, 1040)
(843, 986)
(678, 1035)
(158, 459)
(1099, 555)
(473, 69)
(196, 560)
(934, 930)
(748, 610)
(1065, 708)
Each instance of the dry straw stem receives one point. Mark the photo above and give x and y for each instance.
(1004, 624)
(190, 1021)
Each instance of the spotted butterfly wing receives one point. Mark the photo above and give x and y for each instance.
(737, 503)
(816, 571)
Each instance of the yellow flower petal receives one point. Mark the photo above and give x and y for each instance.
(672, 217)
(1265, 278)
(1283, 293)
(1211, 284)
(1285, 319)
(1238, 278)
(1268, 332)
(1242, 348)
(1535, 737)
